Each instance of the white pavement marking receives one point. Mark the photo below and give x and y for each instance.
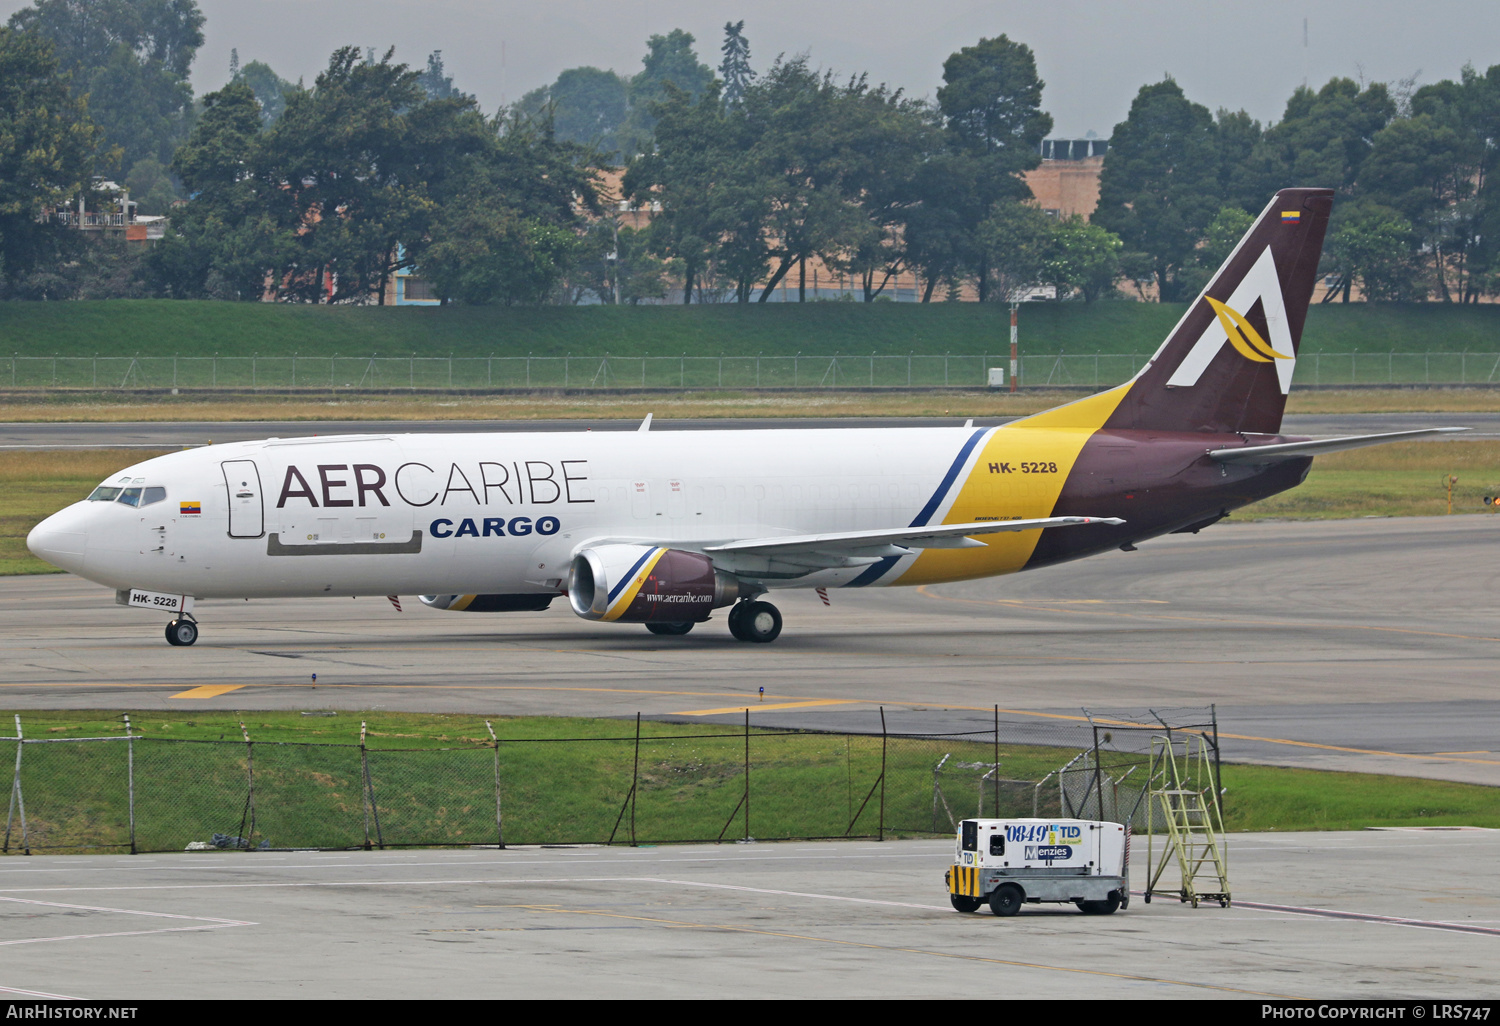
(795, 894)
(207, 923)
(36, 994)
(1367, 917)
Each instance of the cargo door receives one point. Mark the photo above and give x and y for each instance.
(247, 518)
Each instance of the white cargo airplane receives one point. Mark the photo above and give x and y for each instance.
(663, 528)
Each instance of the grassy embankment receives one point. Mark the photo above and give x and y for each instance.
(164, 327)
(1392, 480)
(691, 777)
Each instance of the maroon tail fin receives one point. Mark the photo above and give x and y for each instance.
(1227, 366)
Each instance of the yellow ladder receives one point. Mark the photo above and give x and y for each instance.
(1184, 794)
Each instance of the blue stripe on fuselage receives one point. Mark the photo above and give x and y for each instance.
(875, 570)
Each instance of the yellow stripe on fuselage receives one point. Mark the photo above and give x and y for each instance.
(1054, 438)
(617, 609)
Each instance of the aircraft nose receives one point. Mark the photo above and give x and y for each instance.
(60, 540)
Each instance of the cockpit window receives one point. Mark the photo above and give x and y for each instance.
(128, 492)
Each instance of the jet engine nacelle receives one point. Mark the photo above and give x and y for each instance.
(488, 603)
(648, 584)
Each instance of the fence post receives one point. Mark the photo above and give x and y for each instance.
(1098, 772)
(635, 776)
(15, 794)
(248, 816)
(499, 822)
(1213, 715)
(997, 761)
(880, 828)
(364, 772)
(747, 773)
(130, 779)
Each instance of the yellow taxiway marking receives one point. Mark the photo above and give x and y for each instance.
(208, 691)
(761, 706)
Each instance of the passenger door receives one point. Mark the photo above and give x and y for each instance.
(247, 518)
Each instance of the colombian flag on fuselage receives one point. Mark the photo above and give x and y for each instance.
(189, 509)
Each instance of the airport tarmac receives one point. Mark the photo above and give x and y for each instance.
(151, 434)
(1390, 914)
(1365, 645)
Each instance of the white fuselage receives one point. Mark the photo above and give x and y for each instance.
(490, 513)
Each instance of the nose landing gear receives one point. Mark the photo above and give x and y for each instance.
(182, 632)
(759, 622)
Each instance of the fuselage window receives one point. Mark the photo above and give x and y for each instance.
(104, 493)
(130, 497)
(155, 493)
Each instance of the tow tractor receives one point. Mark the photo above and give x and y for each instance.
(1009, 862)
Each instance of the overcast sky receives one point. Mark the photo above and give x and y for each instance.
(1092, 54)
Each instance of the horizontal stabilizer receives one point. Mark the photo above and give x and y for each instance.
(936, 536)
(1319, 446)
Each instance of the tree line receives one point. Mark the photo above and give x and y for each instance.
(319, 193)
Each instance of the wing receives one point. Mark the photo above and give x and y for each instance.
(793, 555)
(1317, 446)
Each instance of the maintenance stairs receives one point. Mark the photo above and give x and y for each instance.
(1184, 797)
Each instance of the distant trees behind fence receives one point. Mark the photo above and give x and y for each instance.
(735, 182)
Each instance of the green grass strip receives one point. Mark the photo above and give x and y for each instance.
(568, 780)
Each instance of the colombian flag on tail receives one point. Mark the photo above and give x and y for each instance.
(1291, 216)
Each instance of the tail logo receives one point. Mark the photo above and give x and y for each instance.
(1261, 283)
(1242, 334)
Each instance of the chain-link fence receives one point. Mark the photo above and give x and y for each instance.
(135, 793)
(438, 373)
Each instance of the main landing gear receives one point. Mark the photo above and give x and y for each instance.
(181, 632)
(755, 621)
(759, 622)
